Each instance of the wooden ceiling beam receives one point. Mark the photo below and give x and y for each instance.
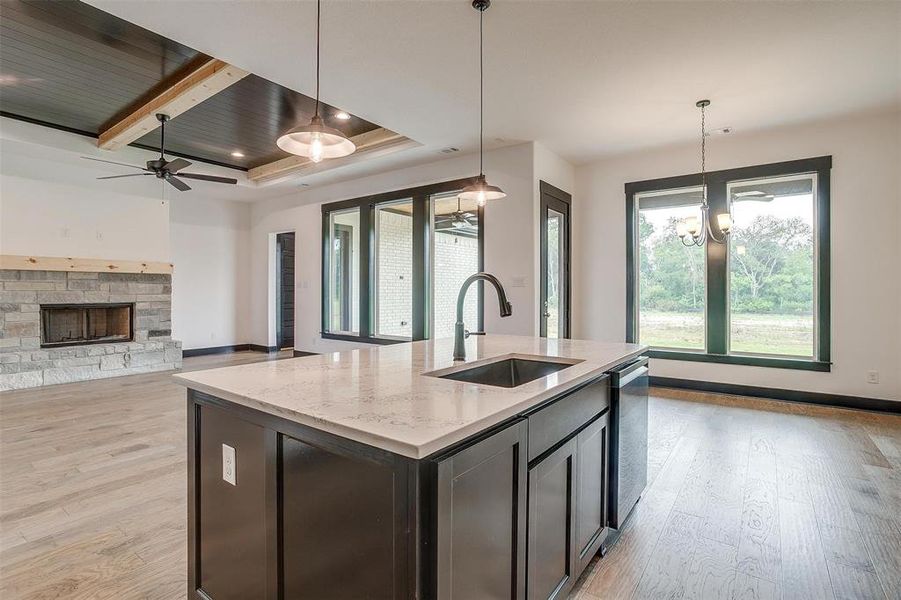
(378, 142)
(200, 80)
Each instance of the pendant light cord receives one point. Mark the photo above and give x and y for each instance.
(481, 96)
(703, 154)
(318, 26)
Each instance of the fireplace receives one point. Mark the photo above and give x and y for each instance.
(76, 324)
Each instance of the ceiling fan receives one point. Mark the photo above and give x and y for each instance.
(459, 219)
(166, 169)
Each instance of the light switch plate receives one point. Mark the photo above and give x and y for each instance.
(228, 464)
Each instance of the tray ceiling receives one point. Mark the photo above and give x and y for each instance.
(69, 65)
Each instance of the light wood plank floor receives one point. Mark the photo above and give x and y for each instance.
(749, 498)
(758, 499)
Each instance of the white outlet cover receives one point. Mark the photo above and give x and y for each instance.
(229, 465)
(872, 376)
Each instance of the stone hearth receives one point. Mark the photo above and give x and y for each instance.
(24, 364)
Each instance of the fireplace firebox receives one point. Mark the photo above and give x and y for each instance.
(76, 324)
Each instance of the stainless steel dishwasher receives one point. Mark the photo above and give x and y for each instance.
(628, 465)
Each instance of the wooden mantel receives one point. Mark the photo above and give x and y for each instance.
(90, 265)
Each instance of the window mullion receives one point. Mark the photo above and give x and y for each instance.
(367, 268)
(717, 273)
(420, 300)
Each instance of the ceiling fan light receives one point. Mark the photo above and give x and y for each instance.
(316, 141)
(481, 192)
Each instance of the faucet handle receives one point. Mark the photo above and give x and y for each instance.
(467, 333)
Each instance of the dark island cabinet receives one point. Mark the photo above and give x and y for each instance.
(552, 504)
(568, 498)
(481, 525)
(592, 451)
(282, 511)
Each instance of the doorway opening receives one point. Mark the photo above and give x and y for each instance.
(284, 289)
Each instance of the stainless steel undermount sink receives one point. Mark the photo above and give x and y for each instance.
(508, 372)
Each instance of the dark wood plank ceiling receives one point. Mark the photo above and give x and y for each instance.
(69, 65)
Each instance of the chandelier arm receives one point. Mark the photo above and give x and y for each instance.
(712, 235)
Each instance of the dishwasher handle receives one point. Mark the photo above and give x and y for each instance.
(622, 375)
(624, 381)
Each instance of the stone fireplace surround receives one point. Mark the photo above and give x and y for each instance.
(24, 364)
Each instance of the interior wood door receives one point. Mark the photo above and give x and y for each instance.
(285, 309)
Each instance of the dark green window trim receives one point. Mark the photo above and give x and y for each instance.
(421, 261)
(717, 300)
(742, 359)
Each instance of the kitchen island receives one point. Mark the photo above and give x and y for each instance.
(394, 472)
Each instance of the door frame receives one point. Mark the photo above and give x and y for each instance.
(555, 199)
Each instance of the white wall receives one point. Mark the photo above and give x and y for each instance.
(210, 248)
(866, 254)
(53, 219)
(510, 242)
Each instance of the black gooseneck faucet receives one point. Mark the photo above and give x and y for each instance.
(460, 333)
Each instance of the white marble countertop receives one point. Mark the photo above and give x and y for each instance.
(379, 396)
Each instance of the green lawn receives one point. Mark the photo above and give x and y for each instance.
(790, 335)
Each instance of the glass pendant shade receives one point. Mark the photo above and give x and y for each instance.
(724, 220)
(693, 226)
(481, 192)
(316, 141)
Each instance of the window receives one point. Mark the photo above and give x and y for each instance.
(762, 297)
(393, 264)
(344, 273)
(455, 256)
(394, 269)
(672, 294)
(771, 268)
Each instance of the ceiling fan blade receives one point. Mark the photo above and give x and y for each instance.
(173, 166)
(178, 184)
(113, 163)
(129, 175)
(213, 178)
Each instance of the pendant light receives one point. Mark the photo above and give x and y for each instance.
(481, 191)
(316, 140)
(694, 231)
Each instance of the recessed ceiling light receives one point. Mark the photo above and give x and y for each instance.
(237, 154)
(342, 115)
